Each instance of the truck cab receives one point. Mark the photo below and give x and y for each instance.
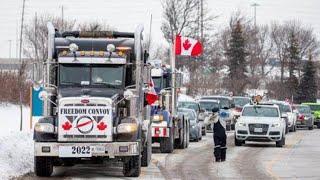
(94, 102)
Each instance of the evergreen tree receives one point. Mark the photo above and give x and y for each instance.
(293, 54)
(307, 91)
(236, 54)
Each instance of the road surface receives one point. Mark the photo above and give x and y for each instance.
(298, 159)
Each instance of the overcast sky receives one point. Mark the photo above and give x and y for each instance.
(124, 15)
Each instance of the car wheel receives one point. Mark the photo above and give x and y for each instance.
(281, 142)
(237, 142)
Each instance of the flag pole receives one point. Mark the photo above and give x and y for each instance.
(173, 67)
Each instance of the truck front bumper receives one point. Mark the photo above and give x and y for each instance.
(112, 149)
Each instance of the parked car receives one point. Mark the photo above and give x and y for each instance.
(239, 102)
(196, 107)
(226, 108)
(208, 105)
(195, 125)
(315, 110)
(304, 116)
(288, 114)
(260, 123)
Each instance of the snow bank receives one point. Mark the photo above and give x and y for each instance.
(16, 157)
(16, 147)
(10, 119)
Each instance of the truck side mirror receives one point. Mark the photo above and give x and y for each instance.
(128, 94)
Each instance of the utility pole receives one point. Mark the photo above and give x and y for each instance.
(10, 45)
(62, 18)
(20, 60)
(254, 5)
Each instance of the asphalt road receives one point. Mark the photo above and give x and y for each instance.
(298, 159)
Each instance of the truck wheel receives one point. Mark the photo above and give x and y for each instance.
(180, 142)
(237, 142)
(43, 166)
(318, 125)
(295, 128)
(132, 168)
(147, 151)
(310, 127)
(166, 144)
(204, 132)
(281, 142)
(185, 133)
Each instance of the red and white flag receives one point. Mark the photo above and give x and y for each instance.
(187, 46)
(151, 95)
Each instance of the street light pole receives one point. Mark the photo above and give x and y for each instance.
(254, 5)
(10, 44)
(20, 60)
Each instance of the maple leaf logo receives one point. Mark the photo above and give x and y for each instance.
(66, 126)
(186, 45)
(101, 126)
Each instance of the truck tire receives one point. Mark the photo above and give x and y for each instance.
(166, 144)
(132, 168)
(237, 142)
(147, 151)
(281, 143)
(310, 127)
(43, 166)
(179, 143)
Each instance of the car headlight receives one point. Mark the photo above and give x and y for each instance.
(242, 124)
(157, 117)
(276, 125)
(127, 128)
(44, 127)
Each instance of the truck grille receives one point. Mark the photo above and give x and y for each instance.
(263, 126)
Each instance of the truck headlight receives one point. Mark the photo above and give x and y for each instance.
(157, 117)
(242, 124)
(275, 125)
(44, 127)
(127, 128)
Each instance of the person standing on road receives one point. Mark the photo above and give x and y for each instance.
(219, 136)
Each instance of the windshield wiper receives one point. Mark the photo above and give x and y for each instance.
(106, 84)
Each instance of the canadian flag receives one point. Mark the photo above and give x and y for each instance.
(187, 46)
(151, 95)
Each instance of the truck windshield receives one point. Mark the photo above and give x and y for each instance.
(303, 109)
(157, 82)
(189, 105)
(110, 76)
(258, 111)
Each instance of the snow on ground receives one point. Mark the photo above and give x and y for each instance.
(16, 147)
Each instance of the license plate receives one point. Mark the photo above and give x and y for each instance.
(75, 151)
(258, 130)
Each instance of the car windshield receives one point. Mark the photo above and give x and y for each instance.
(241, 101)
(189, 115)
(224, 102)
(286, 108)
(86, 75)
(315, 107)
(259, 111)
(303, 109)
(188, 105)
(209, 105)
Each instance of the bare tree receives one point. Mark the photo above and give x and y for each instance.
(36, 38)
